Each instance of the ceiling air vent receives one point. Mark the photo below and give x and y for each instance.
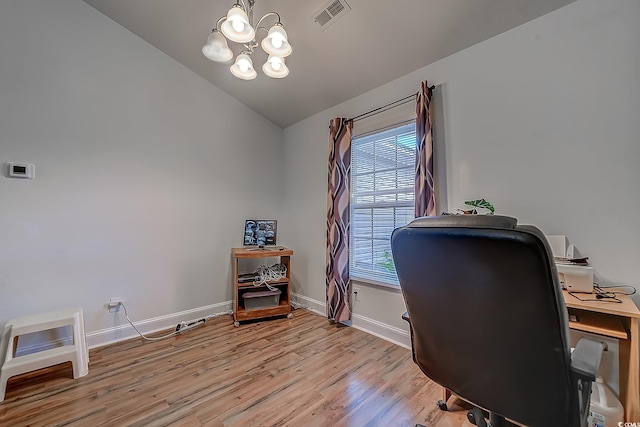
(330, 13)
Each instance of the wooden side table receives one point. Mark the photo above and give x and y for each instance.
(240, 312)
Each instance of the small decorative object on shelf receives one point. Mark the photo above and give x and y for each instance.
(479, 203)
(470, 207)
(266, 292)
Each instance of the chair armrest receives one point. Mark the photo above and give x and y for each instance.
(405, 316)
(586, 357)
(585, 361)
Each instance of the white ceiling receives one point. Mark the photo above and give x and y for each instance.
(376, 42)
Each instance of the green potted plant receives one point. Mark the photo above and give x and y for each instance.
(387, 263)
(479, 203)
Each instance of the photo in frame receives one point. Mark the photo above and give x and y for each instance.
(259, 232)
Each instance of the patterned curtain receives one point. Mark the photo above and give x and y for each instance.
(424, 190)
(338, 205)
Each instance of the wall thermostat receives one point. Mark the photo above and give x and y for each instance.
(21, 170)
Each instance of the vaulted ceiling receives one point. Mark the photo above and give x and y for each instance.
(375, 42)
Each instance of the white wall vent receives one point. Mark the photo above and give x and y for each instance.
(328, 14)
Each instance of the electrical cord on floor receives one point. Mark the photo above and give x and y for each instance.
(224, 313)
(174, 333)
(297, 305)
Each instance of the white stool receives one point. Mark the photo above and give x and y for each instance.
(75, 353)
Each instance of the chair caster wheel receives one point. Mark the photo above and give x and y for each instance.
(442, 406)
(471, 418)
(236, 323)
(476, 417)
(290, 316)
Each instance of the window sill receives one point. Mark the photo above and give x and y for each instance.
(376, 283)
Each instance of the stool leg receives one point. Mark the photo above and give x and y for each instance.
(81, 363)
(5, 347)
(4, 343)
(3, 386)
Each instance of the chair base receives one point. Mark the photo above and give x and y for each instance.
(476, 417)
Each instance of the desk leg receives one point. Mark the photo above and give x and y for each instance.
(629, 362)
(446, 394)
(633, 388)
(442, 404)
(235, 289)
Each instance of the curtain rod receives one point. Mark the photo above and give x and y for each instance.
(387, 106)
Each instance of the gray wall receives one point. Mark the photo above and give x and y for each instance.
(145, 172)
(541, 120)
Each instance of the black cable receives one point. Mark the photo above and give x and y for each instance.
(598, 297)
(633, 289)
(602, 295)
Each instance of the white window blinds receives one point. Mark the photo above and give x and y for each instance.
(382, 199)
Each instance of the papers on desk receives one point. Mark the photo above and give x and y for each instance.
(571, 261)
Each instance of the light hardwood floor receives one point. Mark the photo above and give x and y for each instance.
(300, 372)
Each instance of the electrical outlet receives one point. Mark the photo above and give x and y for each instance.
(356, 294)
(114, 304)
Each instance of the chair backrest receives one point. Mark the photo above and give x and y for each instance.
(487, 314)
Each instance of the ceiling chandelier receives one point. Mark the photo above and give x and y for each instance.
(238, 27)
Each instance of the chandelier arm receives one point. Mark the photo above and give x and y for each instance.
(266, 15)
(218, 22)
(249, 47)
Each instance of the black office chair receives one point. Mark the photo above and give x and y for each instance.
(488, 321)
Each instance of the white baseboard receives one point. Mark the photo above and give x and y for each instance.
(50, 339)
(125, 332)
(381, 330)
(310, 304)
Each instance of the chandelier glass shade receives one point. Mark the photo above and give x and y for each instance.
(274, 67)
(243, 67)
(238, 27)
(216, 48)
(276, 42)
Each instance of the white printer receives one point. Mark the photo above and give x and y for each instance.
(573, 271)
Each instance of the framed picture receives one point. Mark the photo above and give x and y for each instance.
(260, 232)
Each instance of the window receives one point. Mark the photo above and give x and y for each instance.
(382, 199)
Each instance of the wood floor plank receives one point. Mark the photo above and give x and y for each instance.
(303, 371)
